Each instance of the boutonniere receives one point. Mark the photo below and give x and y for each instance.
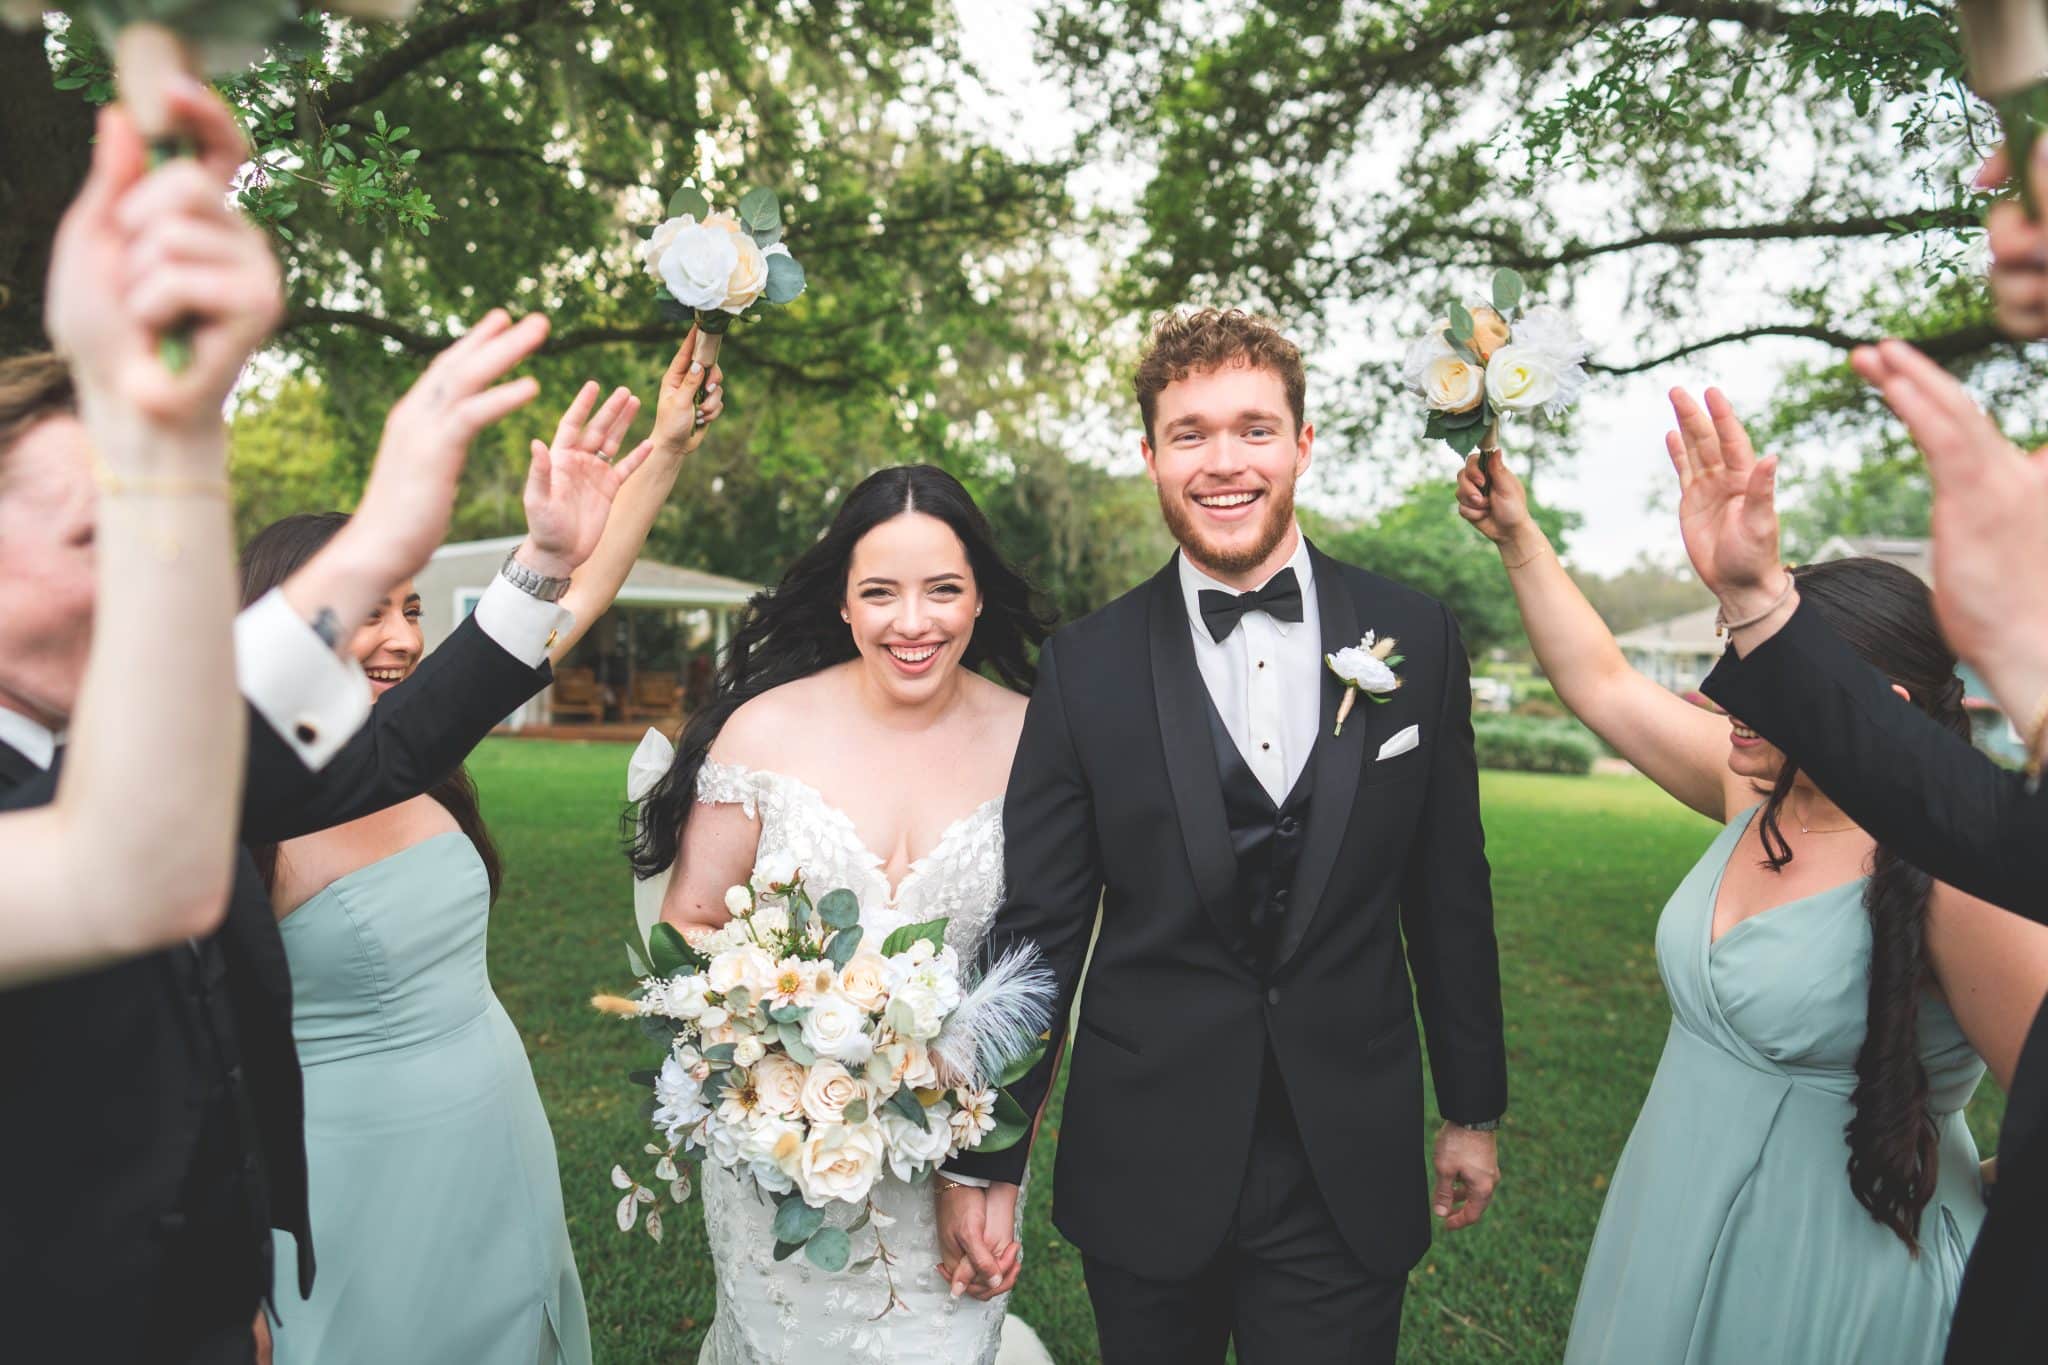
(1366, 667)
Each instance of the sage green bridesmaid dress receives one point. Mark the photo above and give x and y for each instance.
(436, 1202)
(1730, 1236)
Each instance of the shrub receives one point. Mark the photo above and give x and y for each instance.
(1530, 745)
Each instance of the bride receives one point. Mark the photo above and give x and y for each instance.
(854, 736)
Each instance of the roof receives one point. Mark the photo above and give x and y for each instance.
(650, 582)
(1692, 633)
(1914, 556)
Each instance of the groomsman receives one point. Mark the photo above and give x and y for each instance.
(154, 1121)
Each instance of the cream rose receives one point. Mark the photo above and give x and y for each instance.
(916, 1145)
(1421, 354)
(1489, 332)
(750, 275)
(780, 1083)
(827, 1090)
(1519, 379)
(749, 1050)
(1452, 384)
(840, 1163)
(865, 981)
(746, 968)
(697, 264)
(835, 1028)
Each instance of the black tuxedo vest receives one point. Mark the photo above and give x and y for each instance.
(1266, 840)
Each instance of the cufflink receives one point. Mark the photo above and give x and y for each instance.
(549, 643)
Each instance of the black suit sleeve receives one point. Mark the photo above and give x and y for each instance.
(1447, 916)
(1924, 793)
(418, 733)
(1053, 874)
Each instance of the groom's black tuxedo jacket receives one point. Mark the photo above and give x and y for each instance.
(1949, 810)
(1117, 794)
(151, 1112)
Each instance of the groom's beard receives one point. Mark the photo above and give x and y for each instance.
(1220, 560)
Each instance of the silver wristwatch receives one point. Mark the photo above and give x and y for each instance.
(1483, 1126)
(532, 582)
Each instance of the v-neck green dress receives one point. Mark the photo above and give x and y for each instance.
(1730, 1235)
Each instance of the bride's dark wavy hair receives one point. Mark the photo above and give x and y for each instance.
(1887, 616)
(794, 629)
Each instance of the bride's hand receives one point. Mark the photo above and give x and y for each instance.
(981, 1255)
(681, 414)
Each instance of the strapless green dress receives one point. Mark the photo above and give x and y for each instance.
(436, 1201)
(1730, 1235)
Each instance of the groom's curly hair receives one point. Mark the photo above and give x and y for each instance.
(1185, 343)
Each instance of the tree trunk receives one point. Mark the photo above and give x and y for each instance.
(45, 147)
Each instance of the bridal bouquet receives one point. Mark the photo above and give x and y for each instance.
(1482, 363)
(801, 1058)
(711, 267)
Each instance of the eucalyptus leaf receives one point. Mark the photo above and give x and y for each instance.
(720, 1052)
(785, 279)
(795, 1221)
(857, 1111)
(867, 1211)
(793, 1043)
(905, 1103)
(841, 947)
(785, 1250)
(759, 208)
(1507, 289)
(1464, 440)
(689, 200)
(839, 909)
(1454, 421)
(1461, 322)
(787, 1014)
(829, 1248)
(766, 237)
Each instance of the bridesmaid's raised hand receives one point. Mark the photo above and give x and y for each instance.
(1727, 505)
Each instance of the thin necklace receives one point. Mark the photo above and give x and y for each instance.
(1805, 829)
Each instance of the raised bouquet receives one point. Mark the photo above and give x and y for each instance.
(799, 1057)
(2005, 43)
(711, 267)
(1482, 363)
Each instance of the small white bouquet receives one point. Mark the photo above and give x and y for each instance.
(800, 1058)
(710, 268)
(1484, 362)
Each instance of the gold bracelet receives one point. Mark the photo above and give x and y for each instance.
(158, 486)
(1531, 558)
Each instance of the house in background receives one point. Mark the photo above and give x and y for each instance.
(1680, 652)
(648, 660)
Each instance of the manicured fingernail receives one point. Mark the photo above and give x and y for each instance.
(958, 1289)
(697, 368)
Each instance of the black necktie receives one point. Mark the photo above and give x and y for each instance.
(1279, 599)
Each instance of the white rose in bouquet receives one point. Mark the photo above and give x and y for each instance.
(749, 1050)
(777, 869)
(1523, 379)
(679, 1100)
(771, 919)
(722, 1141)
(913, 1146)
(1422, 352)
(836, 1028)
(1452, 384)
(739, 900)
(910, 1063)
(749, 273)
(780, 1083)
(864, 981)
(1549, 329)
(697, 264)
(764, 1137)
(839, 1162)
(745, 968)
(652, 249)
(827, 1090)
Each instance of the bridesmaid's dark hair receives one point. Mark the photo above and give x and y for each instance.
(1887, 616)
(793, 630)
(274, 554)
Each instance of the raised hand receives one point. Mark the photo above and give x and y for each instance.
(1727, 505)
(680, 422)
(1493, 501)
(1990, 522)
(2019, 251)
(571, 483)
(410, 494)
(138, 252)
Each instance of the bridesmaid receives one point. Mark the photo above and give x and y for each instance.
(436, 1203)
(1801, 1184)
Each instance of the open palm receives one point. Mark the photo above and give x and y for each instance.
(1727, 505)
(572, 481)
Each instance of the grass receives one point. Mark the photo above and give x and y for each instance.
(1582, 865)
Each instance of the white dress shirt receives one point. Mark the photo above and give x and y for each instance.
(1265, 677)
(312, 697)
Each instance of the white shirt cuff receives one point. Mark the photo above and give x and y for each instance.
(959, 1179)
(522, 625)
(312, 697)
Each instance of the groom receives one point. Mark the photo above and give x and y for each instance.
(1237, 1153)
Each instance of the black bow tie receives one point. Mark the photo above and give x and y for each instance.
(1279, 599)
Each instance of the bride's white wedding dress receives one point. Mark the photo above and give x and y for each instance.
(790, 1312)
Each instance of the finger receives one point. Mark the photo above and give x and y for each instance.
(1698, 430)
(683, 363)
(480, 410)
(611, 430)
(217, 137)
(974, 1241)
(712, 406)
(962, 1277)
(1941, 387)
(625, 469)
(1499, 476)
(1681, 459)
(1759, 502)
(1729, 435)
(1446, 1192)
(1994, 171)
(118, 163)
(599, 424)
(203, 292)
(178, 188)
(1478, 1194)
(578, 413)
(490, 358)
(1869, 363)
(184, 241)
(540, 471)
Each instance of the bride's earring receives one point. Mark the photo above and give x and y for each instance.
(977, 611)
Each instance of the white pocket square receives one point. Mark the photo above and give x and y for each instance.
(1400, 744)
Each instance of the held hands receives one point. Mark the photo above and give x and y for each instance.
(977, 1239)
(571, 483)
(1727, 507)
(141, 251)
(1467, 1172)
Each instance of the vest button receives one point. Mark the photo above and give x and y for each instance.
(1288, 825)
(1272, 995)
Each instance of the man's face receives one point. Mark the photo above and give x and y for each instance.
(47, 515)
(1224, 455)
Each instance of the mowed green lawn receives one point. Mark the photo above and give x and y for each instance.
(1581, 868)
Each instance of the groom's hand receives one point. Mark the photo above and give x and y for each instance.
(980, 1253)
(1467, 1170)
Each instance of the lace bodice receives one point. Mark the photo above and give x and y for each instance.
(789, 1312)
(960, 879)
